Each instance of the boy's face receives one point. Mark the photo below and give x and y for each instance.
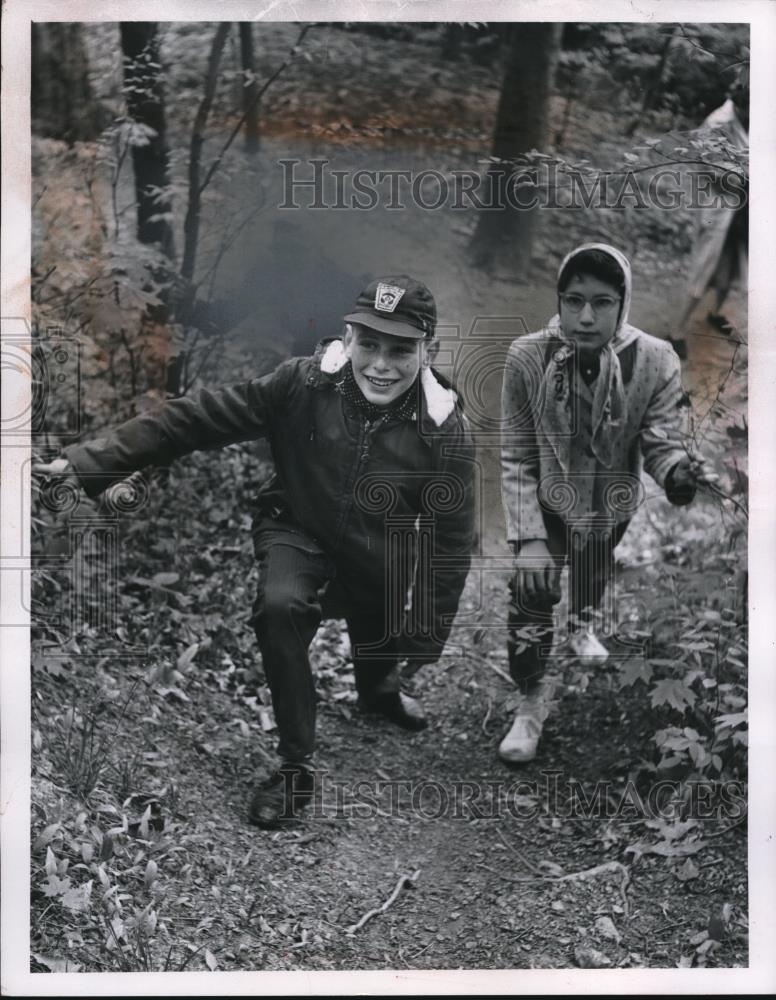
(384, 366)
(594, 325)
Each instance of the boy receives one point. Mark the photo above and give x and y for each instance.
(585, 402)
(371, 449)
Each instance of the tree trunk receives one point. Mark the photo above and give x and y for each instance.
(656, 83)
(521, 125)
(63, 106)
(145, 101)
(191, 222)
(250, 89)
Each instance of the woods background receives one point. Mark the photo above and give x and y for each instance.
(162, 261)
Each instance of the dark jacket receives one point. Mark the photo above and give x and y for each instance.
(355, 488)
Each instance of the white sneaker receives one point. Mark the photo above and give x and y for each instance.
(587, 647)
(520, 743)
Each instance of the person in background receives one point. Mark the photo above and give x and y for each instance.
(720, 256)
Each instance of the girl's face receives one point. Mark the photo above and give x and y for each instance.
(384, 366)
(589, 310)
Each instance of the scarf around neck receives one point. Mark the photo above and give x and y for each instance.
(403, 408)
(608, 408)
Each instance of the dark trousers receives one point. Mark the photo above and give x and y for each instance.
(530, 629)
(298, 588)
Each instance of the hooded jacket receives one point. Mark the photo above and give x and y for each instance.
(576, 450)
(354, 487)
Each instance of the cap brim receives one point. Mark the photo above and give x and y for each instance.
(382, 324)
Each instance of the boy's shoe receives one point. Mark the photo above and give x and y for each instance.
(521, 742)
(281, 796)
(397, 707)
(586, 646)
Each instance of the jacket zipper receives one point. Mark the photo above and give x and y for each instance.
(362, 456)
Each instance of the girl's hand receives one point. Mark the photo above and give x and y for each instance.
(538, 575)
(693, 472)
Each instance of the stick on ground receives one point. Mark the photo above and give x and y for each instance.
(403, 880)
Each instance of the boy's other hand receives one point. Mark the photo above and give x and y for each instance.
(538, 576)
(57, 467)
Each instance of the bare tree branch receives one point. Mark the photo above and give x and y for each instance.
(191, 224)
(241, 121)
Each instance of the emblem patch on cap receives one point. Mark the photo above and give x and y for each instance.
(387, 297)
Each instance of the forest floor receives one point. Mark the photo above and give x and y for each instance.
(147, 741)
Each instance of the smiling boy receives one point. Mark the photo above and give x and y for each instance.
(586, 402)
(366, 440)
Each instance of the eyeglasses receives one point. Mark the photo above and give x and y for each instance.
(599, 303)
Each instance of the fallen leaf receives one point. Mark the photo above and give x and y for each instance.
(688, 871)
(211, 960)
(51, 862)
(185, 659)
(54, 964)
(45, 837)
(266, 720)
(591, 958)
(605, 927)
(56, 886)
(718, 923)
(150, 872)
(78, 900)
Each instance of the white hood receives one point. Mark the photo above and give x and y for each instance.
(624, 333)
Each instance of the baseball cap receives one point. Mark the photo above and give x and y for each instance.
(397, 305)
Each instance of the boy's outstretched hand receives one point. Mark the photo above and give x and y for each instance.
(57, 467)
(538, 575)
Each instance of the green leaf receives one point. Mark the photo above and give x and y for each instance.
(635, 670)
(674, 693)
(732, 720)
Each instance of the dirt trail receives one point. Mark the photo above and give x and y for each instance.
(489, 892)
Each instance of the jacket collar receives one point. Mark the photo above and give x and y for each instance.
(438, 401)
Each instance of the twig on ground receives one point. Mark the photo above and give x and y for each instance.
(407, 880)
(497, 670)
(727, 829)
(528, 864)
(512, 878)
(608, 866)
(424, 948)
(587, 873)
(484, 723)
